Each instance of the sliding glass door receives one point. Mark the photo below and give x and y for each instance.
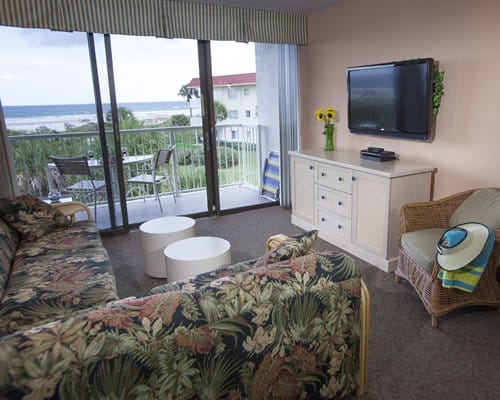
(46, 87)
(247, 149)
(119, 100)
(156, 111)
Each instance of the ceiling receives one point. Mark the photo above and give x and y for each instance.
(278, 5)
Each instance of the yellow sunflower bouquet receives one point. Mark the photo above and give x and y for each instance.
(327, 118)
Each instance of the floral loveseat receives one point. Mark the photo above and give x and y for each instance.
(290, 324)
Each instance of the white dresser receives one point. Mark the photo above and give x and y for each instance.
(355, 203)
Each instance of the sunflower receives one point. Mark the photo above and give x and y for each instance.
(319, 115)
(330, 113)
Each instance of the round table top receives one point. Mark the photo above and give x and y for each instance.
(197, 248)
(167, 225)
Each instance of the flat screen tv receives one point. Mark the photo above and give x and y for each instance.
(392, 99)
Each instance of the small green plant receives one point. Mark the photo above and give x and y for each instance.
(437, 89)
(226, 157)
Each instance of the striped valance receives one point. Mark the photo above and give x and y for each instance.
(161, 18)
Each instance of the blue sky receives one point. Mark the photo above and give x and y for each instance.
(43, 67)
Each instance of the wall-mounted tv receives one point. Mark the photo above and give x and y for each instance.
(392, 99)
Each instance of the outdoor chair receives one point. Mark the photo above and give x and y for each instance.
(422, 225)
(79, 167)
(155, 176)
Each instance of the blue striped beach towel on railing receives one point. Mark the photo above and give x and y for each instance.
(466, 278)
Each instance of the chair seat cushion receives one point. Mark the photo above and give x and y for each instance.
(421, 246)
(481, 206)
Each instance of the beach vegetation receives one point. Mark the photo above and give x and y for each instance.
(126, 119)
(180, 120)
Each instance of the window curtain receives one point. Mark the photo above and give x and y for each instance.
(287, 58)
(161, 18)
(8, 181)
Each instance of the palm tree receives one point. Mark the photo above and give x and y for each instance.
(220, 111)
(189, 93)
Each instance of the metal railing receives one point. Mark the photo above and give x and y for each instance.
(238, 150)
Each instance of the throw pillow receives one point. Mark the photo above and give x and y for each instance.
(481, 206)
(295, 246)
(30, 216)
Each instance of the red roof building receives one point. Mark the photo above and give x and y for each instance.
(227, 80)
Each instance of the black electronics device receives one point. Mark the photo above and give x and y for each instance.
(392, 99)
(377, 154)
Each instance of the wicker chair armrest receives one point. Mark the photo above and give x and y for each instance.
(71, 208)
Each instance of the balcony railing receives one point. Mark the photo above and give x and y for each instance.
(238, 149)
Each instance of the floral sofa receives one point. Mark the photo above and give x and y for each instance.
(289, 324)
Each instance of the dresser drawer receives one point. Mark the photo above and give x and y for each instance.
(332, 223)
(334, 177)
(333, 200)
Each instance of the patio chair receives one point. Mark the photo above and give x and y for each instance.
(422, 224)
(155, 176)
(79, 167)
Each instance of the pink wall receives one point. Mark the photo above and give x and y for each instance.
(463, 35)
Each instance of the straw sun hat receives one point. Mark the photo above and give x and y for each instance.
(460, 245)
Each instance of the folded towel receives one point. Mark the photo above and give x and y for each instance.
(466, 278)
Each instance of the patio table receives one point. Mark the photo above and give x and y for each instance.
(94, 163)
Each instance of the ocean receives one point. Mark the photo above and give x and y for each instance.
(57, 116)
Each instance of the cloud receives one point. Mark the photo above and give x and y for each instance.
(45, 37)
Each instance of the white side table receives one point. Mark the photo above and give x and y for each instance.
(193, 256)
(158, 233)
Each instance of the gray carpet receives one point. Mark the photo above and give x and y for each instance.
(407, 359)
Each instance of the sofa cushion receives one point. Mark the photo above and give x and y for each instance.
(481, 206)
(294, 246)
(30, 216)
(9, 240)
(51, 278)
(421, 246)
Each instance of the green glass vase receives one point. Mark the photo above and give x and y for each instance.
(328, 132)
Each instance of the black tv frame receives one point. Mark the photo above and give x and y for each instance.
(429, 119)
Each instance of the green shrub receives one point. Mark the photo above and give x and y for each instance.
(226, 157)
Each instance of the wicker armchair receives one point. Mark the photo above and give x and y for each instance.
(437, 300)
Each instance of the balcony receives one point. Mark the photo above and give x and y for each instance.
(240, 165)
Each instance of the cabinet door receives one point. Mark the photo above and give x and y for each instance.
(302, 189)
(370, 205)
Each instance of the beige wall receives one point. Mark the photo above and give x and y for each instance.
(463, 35)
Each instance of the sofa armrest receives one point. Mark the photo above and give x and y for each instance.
(291, 326)
(275, 240)
(71, 208)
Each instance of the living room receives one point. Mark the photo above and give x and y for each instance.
(407, 358)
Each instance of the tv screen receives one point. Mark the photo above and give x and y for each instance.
(391, 99)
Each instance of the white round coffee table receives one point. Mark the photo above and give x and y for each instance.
(158, 233)
(195, 255)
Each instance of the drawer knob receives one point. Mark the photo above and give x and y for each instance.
(323, 197)
(340, 179)
(323, 219)
(353, 178)
(311, 167)
(339, 226)
(339, 203)
(323, 174)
